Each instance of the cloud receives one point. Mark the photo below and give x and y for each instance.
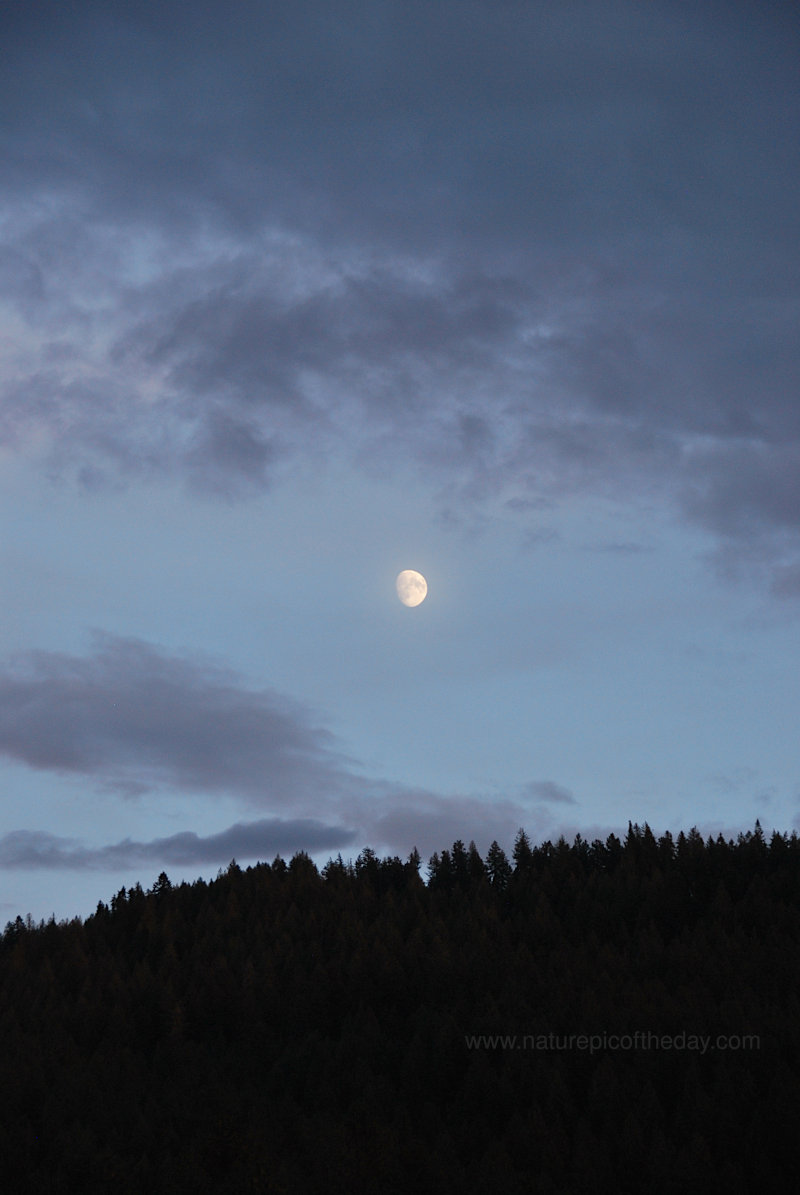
(263, 839)
(134, 718)
(555, 254)
(786, 580)
(397, 818)
(393, 819)
(548, 790)
(738, 780)
(400, 819)
(580, 120)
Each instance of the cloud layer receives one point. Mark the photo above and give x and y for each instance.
(536, 251)
(262, 839)
(133, 718)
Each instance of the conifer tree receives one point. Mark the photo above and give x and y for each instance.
(498, 867)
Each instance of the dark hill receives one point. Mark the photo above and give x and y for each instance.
(618, 1016)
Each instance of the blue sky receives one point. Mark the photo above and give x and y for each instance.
(294, 299)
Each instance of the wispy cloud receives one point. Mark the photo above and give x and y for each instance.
(549, 791)
(263, 839)
(235, 288)
(133, 718)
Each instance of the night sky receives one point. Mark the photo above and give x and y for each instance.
(296, 295)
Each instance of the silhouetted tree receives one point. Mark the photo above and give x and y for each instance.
(522, 853)
(498, 867)
(162, 885)
(260, 1031)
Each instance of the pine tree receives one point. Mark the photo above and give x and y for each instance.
(498, 867)
(522, 854)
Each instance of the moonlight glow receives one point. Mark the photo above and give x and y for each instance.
(412, 587)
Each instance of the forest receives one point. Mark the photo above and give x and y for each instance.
(618, 1015)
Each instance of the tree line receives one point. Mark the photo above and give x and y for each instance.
(284, 1023)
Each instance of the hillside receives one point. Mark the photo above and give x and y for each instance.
(503, 1027)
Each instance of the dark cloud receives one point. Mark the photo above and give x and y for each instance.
(414, 122)
(727, 784)
(403, 818)
(538, 250)
(548, 790)
(134, 718)
(746, 489)
(229, 453)
(786, 581)
(393, 819)
(396, 820)
(263, 839)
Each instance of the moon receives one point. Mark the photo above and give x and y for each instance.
(412, 587)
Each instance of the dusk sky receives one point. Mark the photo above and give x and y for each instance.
(296, 295)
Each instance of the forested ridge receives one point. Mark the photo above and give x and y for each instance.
(288, 1029)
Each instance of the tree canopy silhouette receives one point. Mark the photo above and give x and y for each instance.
(282, 1023)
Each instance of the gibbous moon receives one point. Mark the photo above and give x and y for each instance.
(411, 587)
